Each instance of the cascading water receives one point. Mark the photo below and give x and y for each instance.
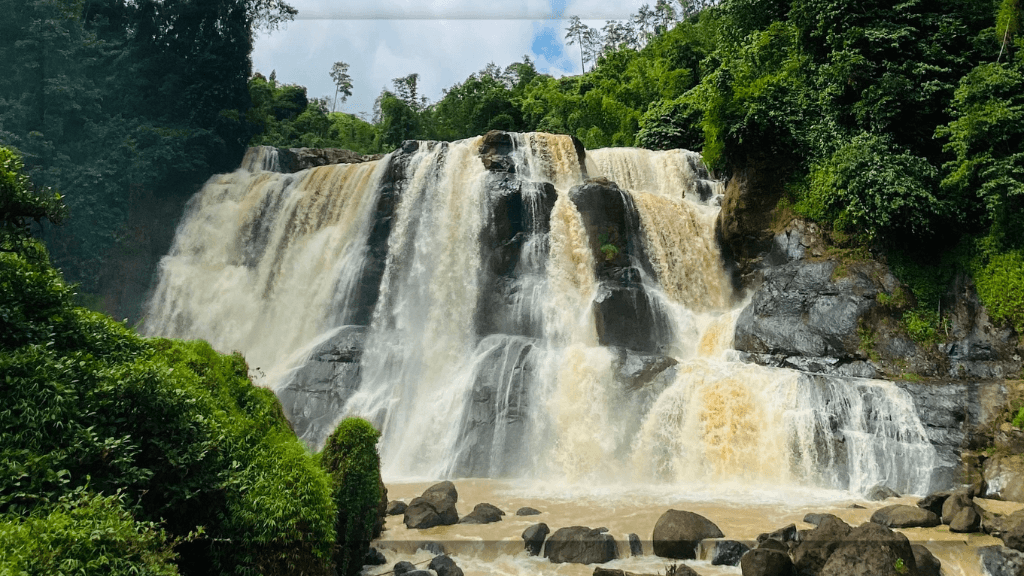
(526, 320)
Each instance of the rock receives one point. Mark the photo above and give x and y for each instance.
(677, 533)
(814, 549)
(483, 514)
(927, 563)
(296, 159)
(816, 519)
(396, 507)
(957, 501)
(871, 550)
(785, 534)
(744, 222)
(533, 538)
(436, 507)
(903, 516)
(495, 152)
(419, 572)
(933, 502)
(635, 547)
(674, 570)
(527, 511)
(580, 545)
(721, 552)
(1005, 477)
(1012, 530)
(404, 567)
(374, 557)
(435, 548)
(855, 507)
(966, 520)
(765, 562)
(1001, 561)
(880, 492)
(313, 395)
(773, 544)
(443, 565)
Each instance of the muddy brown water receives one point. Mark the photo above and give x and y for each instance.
(742, 512)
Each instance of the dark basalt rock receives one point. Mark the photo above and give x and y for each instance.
(817, 519)
(495, 152)
(433, 547)
(395, 507)
(722, 552)
(483, 514)
(313, 396)
(404, 567)
(785, 534)
(296, 159)
(871, 550)
(956, 502)
(677, 533)
(580, 545)
(966, 520)
(815, 548)
(765, 562)
(533, 538)
(443, 565)
(880, 492)
(927, 563)
(436, 507)
(527, 511)
(635, 547)
(374, 557)
(933, 502)
(1001, 561)
(903, 516)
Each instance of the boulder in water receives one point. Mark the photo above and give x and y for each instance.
(784, 534)
(374, 557)
(927, 563)
(1011, 530)
(880, 492)
(675, 570)
(766, 562)
(483, 514)
(580, 545)
(871, 550)
(957, 501)
(436, 507)
(527, 511)
(816, 519)
(443, 565)
(1001, 561)
(395, 507)
(721, 552)
(814, 549)
(533, 538)
(635, 547)
(677, 533)
(966, 520)
(435, 548)
(1005, 476)
(404, 567)
(904, 516)
(933, 502)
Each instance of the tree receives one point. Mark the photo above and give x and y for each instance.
(575, 35)
(1008, 21)
(342, 82)
(406, 89)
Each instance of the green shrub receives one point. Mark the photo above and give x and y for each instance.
(350, 457)
(84, 534)
(922, 325)
(1000, 283)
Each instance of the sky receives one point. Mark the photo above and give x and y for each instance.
(443, 40)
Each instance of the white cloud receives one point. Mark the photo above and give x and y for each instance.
(443, 40)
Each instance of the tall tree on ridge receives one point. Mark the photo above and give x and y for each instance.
(342, 82)
(575, 35)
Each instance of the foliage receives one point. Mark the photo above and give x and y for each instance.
(20, 204)
(350, 457)
(1000, 283)
(85, 534)
(869, 185)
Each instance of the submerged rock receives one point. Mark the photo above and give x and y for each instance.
(580, 545)
(677, 533)
(443, 565)
(527, 511)
(395, 507)
(881, 492)
(721, 552)
(766, 562)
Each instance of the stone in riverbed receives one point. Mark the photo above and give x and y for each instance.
(927, 563)
(813, 551)
(436, 507)
(404, 567)
(1001, 561)
(966, 520)
(904, 516)
(483, 514)
(933, 502)
(677, 570)
(871, 550)
(784, 534)
(533, 538)
(443, 565)
(816, 519)
(527, 511)
(677, 533)
(881, 492)
(635, 547)
(395, 507)
(580, 545)
(374, 557)
(721, 552)
(956, 502)
(765, 562)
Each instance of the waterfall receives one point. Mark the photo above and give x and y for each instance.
(564, 314)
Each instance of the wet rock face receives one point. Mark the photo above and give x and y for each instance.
(313, 397)
(580, 545)
(296, 159)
